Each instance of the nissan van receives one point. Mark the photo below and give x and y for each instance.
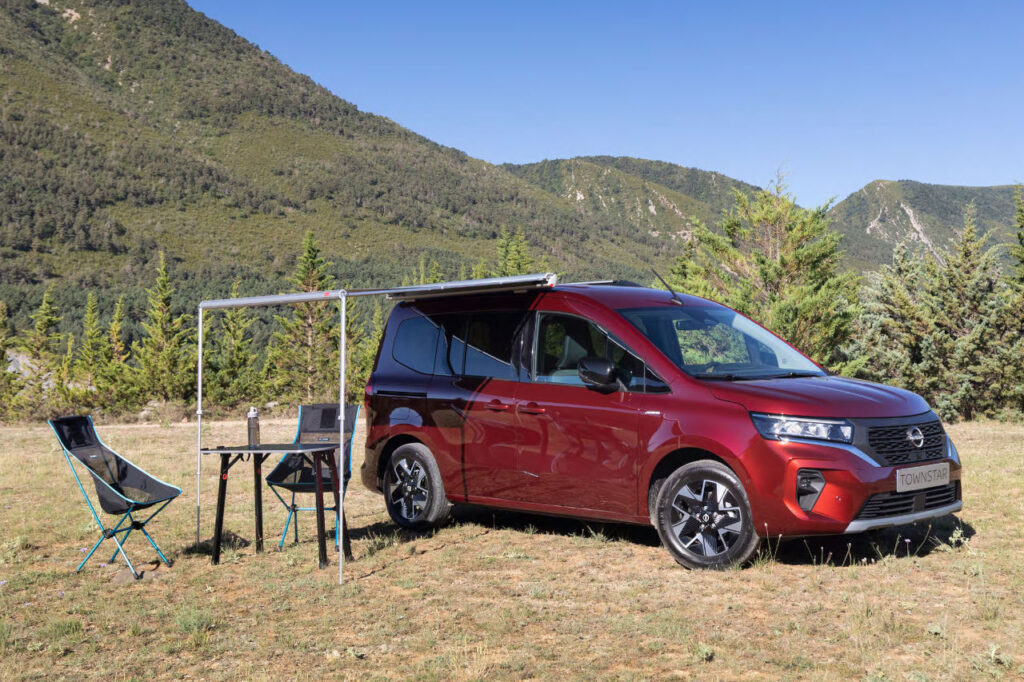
(621, 403)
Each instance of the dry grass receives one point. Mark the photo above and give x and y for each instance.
(497, 595)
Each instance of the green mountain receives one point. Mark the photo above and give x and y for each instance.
(884, 213)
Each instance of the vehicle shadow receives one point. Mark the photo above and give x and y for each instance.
(525, 522)
(902, 542)
(918, 540)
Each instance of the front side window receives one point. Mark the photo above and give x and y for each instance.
(564, 340)
(714, 342)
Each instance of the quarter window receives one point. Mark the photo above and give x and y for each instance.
(414, 344)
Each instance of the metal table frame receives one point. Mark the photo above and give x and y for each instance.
(473, 286)
(259, 453)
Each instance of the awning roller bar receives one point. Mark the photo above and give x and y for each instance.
(417, 291)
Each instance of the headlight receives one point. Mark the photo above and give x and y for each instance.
(780, 427)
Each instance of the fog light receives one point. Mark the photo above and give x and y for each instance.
(809, 484)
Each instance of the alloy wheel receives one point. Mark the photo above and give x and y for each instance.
(706, 517)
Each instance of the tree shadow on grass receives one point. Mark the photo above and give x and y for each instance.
(902, 542)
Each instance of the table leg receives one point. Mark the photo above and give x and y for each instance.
(320, 530)
(222, 488)
(341, 527)
(257, 482)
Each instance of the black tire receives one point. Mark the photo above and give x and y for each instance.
(703, 517)
(413, 491)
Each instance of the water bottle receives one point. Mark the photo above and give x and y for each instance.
(253, 423)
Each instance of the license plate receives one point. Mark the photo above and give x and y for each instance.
(918, 478)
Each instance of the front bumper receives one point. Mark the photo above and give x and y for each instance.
(852, 480)
(859, 526)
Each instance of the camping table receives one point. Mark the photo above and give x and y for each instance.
(229, 455)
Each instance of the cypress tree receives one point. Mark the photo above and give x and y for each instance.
(166, 356)
(302, 360)
(234, 377)
(780, 265)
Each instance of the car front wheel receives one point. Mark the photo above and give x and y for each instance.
(703, 517)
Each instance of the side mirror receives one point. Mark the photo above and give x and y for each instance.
(597, 373)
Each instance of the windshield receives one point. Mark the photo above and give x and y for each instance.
(714, 342)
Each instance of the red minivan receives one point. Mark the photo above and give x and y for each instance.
(623, 403)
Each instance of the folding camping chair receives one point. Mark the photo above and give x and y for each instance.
(295, 472)
(122, 488)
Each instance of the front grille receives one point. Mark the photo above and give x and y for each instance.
(891, 446)
(882, 505)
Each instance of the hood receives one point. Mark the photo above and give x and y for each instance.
(820, 397)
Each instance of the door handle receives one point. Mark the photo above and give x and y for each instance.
(531, 408)
(497, 406)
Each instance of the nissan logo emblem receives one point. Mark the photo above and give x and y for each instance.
(915, 436)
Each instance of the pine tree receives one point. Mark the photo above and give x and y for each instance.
(780, 265)
(480, 270)
(949, 331)
(166, 356)
(66, 397)
(513, 254)
(234, 377)
(90, 354)
(115, 384)
(302, 360)
(41, 346)
(9, 381)
(362, 354)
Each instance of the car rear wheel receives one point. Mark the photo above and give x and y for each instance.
(703, 517)
(413, 491)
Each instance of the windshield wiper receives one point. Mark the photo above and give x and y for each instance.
(723, 377)
(792, 375)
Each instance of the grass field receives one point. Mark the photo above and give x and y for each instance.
(496, 595)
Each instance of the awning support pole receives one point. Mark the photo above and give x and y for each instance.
(199, 418)
(340, 482)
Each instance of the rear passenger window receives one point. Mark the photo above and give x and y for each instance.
(414, 346)
(490, 342)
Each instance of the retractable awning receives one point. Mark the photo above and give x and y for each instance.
(406, 293)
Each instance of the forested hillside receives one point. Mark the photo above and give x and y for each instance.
(132, 127)
(884, 213)
(654, 197)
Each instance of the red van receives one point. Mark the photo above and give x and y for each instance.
(622, 403)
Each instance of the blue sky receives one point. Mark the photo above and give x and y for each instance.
(832, 94)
